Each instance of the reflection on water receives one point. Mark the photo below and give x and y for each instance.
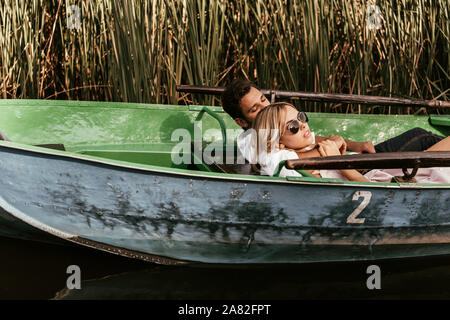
(32, 270)
(38, 271)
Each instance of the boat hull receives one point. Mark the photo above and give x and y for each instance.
(180, 216)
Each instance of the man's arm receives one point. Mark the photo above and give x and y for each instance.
(360, 147)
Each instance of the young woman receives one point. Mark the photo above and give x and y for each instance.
(282, 130)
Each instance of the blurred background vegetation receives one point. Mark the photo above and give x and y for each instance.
(139, 50)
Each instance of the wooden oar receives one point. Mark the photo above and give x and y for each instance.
(385, 160)
(325, 97)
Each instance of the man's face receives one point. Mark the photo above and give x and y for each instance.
(253, 102)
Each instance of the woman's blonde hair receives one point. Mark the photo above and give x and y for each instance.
(270, 125)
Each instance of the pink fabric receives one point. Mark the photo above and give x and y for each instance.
(424, 175)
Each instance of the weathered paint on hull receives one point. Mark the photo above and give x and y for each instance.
(214, 220)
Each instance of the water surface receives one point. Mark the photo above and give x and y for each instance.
(31, 270)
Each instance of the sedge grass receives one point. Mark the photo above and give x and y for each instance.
(139, 51)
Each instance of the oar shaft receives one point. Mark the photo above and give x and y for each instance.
(326, 97)
(385, 160)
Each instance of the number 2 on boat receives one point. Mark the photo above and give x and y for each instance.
(367, 195)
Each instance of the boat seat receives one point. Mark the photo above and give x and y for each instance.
(211, 164)
(234, 168)
(57, 146)
(54, 146)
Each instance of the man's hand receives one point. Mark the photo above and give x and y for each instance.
(361, 147)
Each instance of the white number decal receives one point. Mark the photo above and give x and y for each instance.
(367, 195)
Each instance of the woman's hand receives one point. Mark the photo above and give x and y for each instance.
(338, 140)
(340, 143)
(328, 148)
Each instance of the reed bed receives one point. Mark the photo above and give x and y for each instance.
(138, 51)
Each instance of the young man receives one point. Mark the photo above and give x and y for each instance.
(242, 101)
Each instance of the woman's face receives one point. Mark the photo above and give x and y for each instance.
(302, 139)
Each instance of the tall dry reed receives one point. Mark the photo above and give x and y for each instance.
(139, 50)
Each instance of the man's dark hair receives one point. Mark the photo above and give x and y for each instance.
(233, 95)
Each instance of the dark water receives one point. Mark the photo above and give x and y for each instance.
(31, 270)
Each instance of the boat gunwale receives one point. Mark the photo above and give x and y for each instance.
(26, 103)
(214, 175)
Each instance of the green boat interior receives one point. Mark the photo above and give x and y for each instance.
(183, 137)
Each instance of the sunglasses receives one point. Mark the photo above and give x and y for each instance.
(294, 125)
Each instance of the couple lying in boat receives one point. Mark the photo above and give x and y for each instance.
(280, 132)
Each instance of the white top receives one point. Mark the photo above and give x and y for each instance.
(268, 161)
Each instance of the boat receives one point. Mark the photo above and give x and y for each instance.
(103, 175)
